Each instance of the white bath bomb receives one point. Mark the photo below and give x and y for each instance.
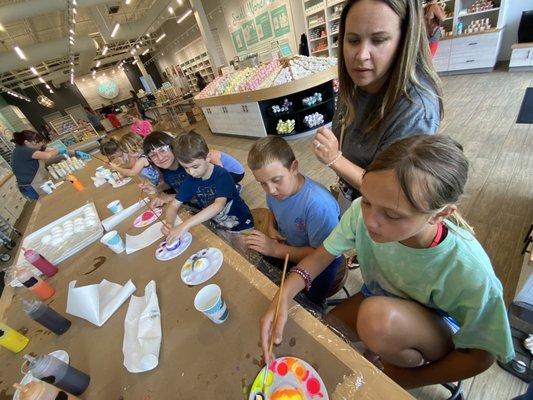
(79, 227)
(90, 221)
(46, 239)
(56, 240)
(78, 221)
(57, 231)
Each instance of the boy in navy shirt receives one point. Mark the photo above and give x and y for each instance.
(211, 186)
(303, 212)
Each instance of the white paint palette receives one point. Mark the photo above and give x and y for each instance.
(163, 253)
(147, 217)
(202, 266)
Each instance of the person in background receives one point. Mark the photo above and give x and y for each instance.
(431, 308)
(27, 162)
(141, 127)
(109, 113)
(94, 119)
(388, 88)
(229, 163)
(303, 49)
(200, 81)
(433, 16)
(139, 107)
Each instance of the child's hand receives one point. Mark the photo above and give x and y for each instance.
(161, 200)
(266, 329)
(176, 233)
(273, 233)
(113, 165)
(261, 243)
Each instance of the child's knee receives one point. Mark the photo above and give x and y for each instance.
(375, 323)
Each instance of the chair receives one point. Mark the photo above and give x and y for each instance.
(338, 285)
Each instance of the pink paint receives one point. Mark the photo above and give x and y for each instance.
(39, 262)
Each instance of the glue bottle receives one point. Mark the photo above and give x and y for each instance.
(39, 390)
(39, 262)
(75, 182)
(39, 287)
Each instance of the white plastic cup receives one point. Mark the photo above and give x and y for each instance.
(115, 206)
(209, 301)
(46, 188)
(113, 241)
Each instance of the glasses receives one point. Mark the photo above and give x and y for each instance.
(159, 151)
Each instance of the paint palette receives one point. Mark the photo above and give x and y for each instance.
(121, 182)
(290, 378)
(202, 266)
(165, 253)
(147, 217)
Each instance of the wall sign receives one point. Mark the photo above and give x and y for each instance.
(238, 40)
(249, 32)
(262, 26)
(107, 88)
(280, 20)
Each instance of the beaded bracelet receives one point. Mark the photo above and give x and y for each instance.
(339, 154)
(304, 275)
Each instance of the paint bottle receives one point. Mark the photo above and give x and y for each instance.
(39, 262)
(39, 390)
(46, 316)
(52, 370)
(11, 339)
(75, 182)
(39, 287)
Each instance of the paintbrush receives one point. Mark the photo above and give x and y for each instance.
(271, 340)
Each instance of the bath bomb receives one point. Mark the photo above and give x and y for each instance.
(56, 240)
(57, 231)
(46, 239)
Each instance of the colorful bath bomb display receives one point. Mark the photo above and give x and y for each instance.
(287, 394)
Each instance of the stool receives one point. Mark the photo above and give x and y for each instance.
(455, 390)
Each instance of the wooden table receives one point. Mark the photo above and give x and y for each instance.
(198, 359)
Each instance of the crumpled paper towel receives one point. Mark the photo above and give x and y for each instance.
(97, 303)
(142, 331)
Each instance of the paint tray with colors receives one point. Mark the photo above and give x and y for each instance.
(202, 266)
(290, 378)
(167, 252)
(147, 217)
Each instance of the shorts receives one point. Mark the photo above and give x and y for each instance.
(452, 324)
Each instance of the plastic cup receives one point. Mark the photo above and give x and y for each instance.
(209, 301)
(11, 339)
(113, 241)
(115, 206)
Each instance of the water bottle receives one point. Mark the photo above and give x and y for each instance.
(460, 28)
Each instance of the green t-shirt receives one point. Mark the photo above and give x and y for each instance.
(455, 276)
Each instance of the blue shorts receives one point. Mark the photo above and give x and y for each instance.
(452, 324)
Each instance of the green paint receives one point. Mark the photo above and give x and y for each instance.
(263, 26)
(280, 21)
(249, 32)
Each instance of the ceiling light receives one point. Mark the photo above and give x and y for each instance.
(42, 80)
(128, 2)
(162, 54)
(45, 101)
(115, 29)
(160, 38)
(134, 62)
(72, 79)
(74, 11)
(94, 72)
(47, 86)
(98, 63)
(132, 52)
(170, 10)
(184, 16)
(19, 52)
(114, 71)
(140, 42)
(104, 51)
(74, 3)
(73, 20)
(83, 79)
(72, 70)
(72, 63)
(51, 91)
(138, 46)
(147, 35)
(94, 76)
(34, 71)
(103, 74)
(144, 52)
(71, 31)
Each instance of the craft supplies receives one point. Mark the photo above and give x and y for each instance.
(39, 390)
(36, 285)
(209, 301)
(201, 266)
(75, 182)
(115, 206)
(39, 262)
(285, 127)
(167, 251)
(113, 240)
(11, 339)
(46, 316)
(312, 100)
(313, 120)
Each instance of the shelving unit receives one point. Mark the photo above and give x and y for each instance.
(201, 64)
(322, 19)
(70, 133)
(474, 51)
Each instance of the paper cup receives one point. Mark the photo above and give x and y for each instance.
(115, 206)
(113, 241)
(46, 188)
(210, 302)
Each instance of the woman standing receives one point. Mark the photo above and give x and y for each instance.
(27, 161)
(139, 107)
(388, 88)
(433, 16)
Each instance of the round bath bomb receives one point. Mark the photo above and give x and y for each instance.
(56, 240)
(46, 239)
(79, 227)
(90, 221)
(68, 233)
(57, 231)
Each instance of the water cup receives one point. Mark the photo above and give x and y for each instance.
(115, 206)
(46, 188)
(113, 241)
(210, 302)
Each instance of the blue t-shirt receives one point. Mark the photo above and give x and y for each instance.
(235, 216)
(174, 177)
(151, 173)
(307, 217)
(230, 164)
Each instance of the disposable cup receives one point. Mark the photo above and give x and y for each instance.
(113, 241)
(115, 206)
(209, 301)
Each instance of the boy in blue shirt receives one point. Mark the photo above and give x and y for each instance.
(302, 212)
(211, 186)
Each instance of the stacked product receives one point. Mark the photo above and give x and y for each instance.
(285, 127)
(479, 25)
(312, 100)
(314, 119)
(286, 106)
(481, 5)
(65, 167)
(259, 75)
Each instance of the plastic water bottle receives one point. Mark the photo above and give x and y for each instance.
(460, 28)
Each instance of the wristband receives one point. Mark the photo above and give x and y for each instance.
(339, 154)
(304, 275)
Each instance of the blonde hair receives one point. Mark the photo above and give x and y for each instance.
(412, 62)
(131, 143)
(268, 150)
(432, 172)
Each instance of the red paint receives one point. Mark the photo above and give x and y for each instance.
(147, 215)
(313, 386)
(282, 369)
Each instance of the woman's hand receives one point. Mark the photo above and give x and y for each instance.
(266, 328)
(325, 145)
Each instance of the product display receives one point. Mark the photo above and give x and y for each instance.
(478, 25)
(312, 100)
(63, 168)
(313, 120)
(285, 127)
(286, 106)
(481, 5)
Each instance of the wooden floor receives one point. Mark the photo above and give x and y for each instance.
(480, 112)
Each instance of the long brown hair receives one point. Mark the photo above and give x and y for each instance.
(432, 171)
(412, 63)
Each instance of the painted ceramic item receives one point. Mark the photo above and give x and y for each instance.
(147, 217)
(290, 378)
(202, 266)
(165, 252)
(121, 182)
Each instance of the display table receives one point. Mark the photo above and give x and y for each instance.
(198, 359)
(250, 113)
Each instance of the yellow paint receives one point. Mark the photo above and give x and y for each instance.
(11, 339)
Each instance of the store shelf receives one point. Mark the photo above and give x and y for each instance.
(317, 25)
(320, 51)
(334, 19)
(479, 12)
(334, 33)
(311, 13)
(317, 39)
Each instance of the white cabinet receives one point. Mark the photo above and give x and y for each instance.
(236, 119)
(522, 57)
(442, 58)
(474, 52)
